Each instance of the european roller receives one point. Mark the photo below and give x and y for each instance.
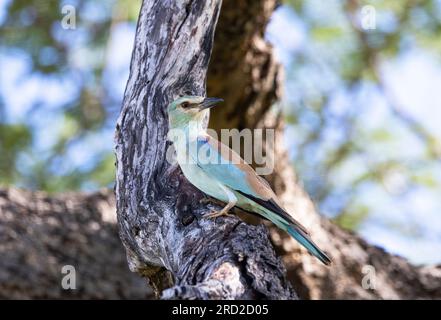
(218, 171)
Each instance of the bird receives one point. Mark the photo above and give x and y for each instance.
(221, 173)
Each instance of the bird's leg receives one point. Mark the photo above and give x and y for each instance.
(232, 200)
(223, 212)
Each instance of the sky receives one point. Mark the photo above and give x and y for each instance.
(414, 78)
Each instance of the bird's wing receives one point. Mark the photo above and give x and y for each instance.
(225, 165)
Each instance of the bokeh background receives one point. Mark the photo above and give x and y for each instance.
(363, 109)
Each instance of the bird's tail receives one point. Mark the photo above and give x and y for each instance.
(306, 241)
(297, 233)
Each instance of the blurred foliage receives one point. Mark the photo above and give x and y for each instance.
(333, 149)
(336, 154)
(32, 28)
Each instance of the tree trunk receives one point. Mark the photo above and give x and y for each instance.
(159, 211)
(39, 234)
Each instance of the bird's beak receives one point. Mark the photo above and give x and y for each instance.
(209, 103)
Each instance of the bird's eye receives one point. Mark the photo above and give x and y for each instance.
(185, 105)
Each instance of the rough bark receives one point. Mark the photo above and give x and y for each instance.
(159, 211)
(40, 234)
(70, 216)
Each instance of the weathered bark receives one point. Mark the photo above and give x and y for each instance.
(36, 224)
(159, 211)
(41, 234)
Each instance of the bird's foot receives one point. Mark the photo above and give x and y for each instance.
(216, 214)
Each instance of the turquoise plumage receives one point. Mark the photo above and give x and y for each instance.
(221, 173)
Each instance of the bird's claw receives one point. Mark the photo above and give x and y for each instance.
(216, 214)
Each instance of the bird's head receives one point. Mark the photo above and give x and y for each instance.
(189, 108)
